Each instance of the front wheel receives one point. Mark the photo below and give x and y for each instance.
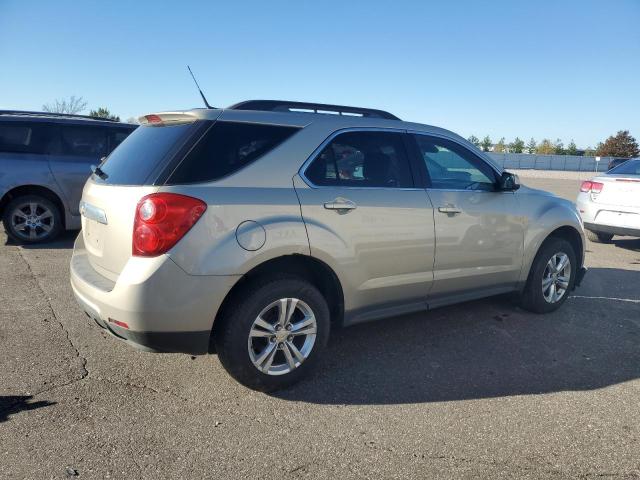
(551, 278)
(273, 333)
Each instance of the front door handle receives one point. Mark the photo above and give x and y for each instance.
(449, 210)
(342, 204)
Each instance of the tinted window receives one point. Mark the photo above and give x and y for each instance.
(116, 137)
(23, 137)
(631, 167)
(83, 141)
(226, 148)
(137, 157)
(363, 159)
(453, 167)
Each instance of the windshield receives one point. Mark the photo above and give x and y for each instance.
(630, 167)
(137, 157)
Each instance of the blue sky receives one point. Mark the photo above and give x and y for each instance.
(544, 68)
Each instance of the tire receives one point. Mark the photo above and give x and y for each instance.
(36, 210)
(238, 351)
(534, 297)
(598, 237)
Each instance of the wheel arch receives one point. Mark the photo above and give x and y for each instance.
(309, 268)
(23, 190)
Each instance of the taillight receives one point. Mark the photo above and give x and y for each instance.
(161, 220)
(593, 187)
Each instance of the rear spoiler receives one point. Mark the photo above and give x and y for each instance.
(168, 117)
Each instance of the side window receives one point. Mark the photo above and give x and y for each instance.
(226, 148)
(82, 141)
(453, 167)
(362, 159)
(22, 137)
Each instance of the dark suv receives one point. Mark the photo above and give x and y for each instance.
(45, 159)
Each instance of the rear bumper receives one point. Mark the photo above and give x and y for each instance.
(164, 309)
(615, 230)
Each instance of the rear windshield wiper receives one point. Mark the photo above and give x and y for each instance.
(98, 171)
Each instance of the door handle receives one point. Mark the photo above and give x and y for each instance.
(449, 210)
(340, 204)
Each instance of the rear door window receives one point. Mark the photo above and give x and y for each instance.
(226, 148)
(363, 159)
(147, 148)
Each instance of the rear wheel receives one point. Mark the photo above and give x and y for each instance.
(273, 333)
(32, 219)
(599, 237)
(551, 277)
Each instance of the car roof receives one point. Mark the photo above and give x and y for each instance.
(48, 117)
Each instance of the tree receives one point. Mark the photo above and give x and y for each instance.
(559, 147)
(531, 146)
(589, 152)
(486, 143)
(572, 149)
(545, 147)
(104, 113)
(500, 147)
(517, 146)
(475, 140)
(620, 145)
(71, 106)
(133, 120)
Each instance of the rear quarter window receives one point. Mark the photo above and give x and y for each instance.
(226, 148)
(80, 141)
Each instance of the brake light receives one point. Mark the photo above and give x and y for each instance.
(161, 220)
(593, 187)
(153, 118)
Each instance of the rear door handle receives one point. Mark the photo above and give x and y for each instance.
(340, 204)
(449, 210)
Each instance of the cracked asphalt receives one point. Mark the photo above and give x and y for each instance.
(482, 389)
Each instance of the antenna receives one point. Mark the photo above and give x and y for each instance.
(204, 99)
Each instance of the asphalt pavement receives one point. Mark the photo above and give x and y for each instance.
(478, 390)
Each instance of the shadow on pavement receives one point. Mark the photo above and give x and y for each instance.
(484, 349)
(64, 241)
(632, 244)
(10, 405)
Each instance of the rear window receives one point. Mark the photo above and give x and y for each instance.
(137, 157)
(631, 167)
(23, 137)
(226, 148)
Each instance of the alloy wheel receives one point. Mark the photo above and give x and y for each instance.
(282, 336)
(556, 277)
(32, 221)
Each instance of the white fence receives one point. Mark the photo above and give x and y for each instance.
(525, 161)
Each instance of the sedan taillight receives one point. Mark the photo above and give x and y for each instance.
(593, 187)
(161, 220)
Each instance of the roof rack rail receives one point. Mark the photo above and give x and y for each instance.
(53, 114)
(286, 106)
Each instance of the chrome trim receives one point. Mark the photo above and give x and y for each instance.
(92, 212)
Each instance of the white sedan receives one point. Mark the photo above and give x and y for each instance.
(610, 204)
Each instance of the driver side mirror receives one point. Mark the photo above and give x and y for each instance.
(509, 182)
